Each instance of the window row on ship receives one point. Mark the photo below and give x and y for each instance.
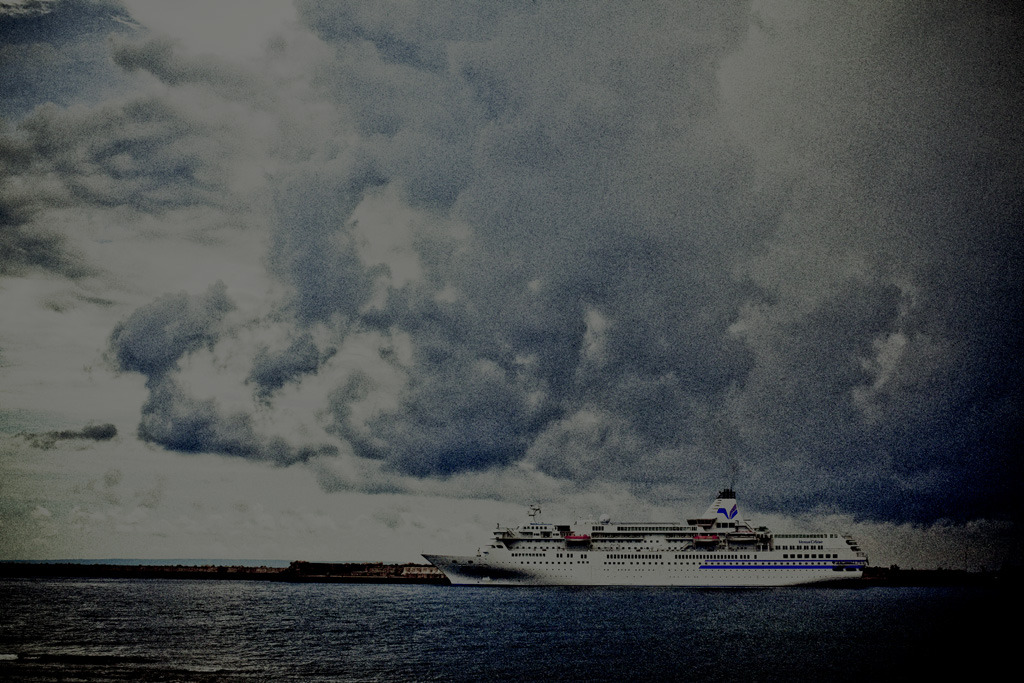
(802, 537)
(698, 556)
(686, 561)
(543, 554)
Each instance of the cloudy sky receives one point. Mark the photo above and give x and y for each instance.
(346, 281)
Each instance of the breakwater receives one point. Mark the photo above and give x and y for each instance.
(298, 571)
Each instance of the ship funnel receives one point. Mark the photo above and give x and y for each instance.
(724, 509)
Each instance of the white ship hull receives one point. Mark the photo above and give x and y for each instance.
(717, 549)
(471, 570)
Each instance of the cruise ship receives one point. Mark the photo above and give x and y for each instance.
(717, 549)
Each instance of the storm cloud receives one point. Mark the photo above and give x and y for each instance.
(778, 221)
(651, 245)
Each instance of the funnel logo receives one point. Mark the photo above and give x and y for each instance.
(730, 514)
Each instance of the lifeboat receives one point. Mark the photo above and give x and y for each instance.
(580, 538)
(705, 539)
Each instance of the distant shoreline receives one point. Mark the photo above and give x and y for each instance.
(411, 573)
(303, 572)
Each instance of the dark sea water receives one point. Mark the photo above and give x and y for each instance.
(156, 630)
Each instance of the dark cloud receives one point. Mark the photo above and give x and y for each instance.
(459, 415)
(144, 153)
(313, 248)
(98, 432)
(158, 57)
(57, 52)
(787, 226)
(514, 128)
(891, 134)
(25, 245)
(271, 370)
(55, 20)
(177, 421)
(151, 340)
(141, 152)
